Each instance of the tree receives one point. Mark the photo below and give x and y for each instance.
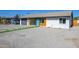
(17, 16)
(75, 18)
(0, 18)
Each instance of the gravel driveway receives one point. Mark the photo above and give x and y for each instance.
(41, 38)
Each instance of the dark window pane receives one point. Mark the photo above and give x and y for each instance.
(42, 20)
(62, 20)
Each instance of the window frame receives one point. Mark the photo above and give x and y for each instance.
(62, 20)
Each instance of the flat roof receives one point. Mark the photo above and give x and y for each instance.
(52, 14)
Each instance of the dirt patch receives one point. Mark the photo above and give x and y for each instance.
(75, 41)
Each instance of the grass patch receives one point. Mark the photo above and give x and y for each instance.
(10, 30)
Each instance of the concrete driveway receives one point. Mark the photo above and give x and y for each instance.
(41, 38)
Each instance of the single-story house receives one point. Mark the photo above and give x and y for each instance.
(53, 19)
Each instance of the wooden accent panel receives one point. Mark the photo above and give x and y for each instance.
(44, 22)
(41, 24)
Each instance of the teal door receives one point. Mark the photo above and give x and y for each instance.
(37, 22)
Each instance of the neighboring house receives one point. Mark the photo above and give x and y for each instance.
(76, 21)
(53, 20)
(13, 20)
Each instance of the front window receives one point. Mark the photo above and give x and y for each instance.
(42, 21)
(62, 20)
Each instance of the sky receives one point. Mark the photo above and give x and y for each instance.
(8, 13)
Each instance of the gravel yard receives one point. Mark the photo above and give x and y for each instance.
(41, 38)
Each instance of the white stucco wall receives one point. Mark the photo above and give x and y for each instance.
(28, 22)
(54, 23)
